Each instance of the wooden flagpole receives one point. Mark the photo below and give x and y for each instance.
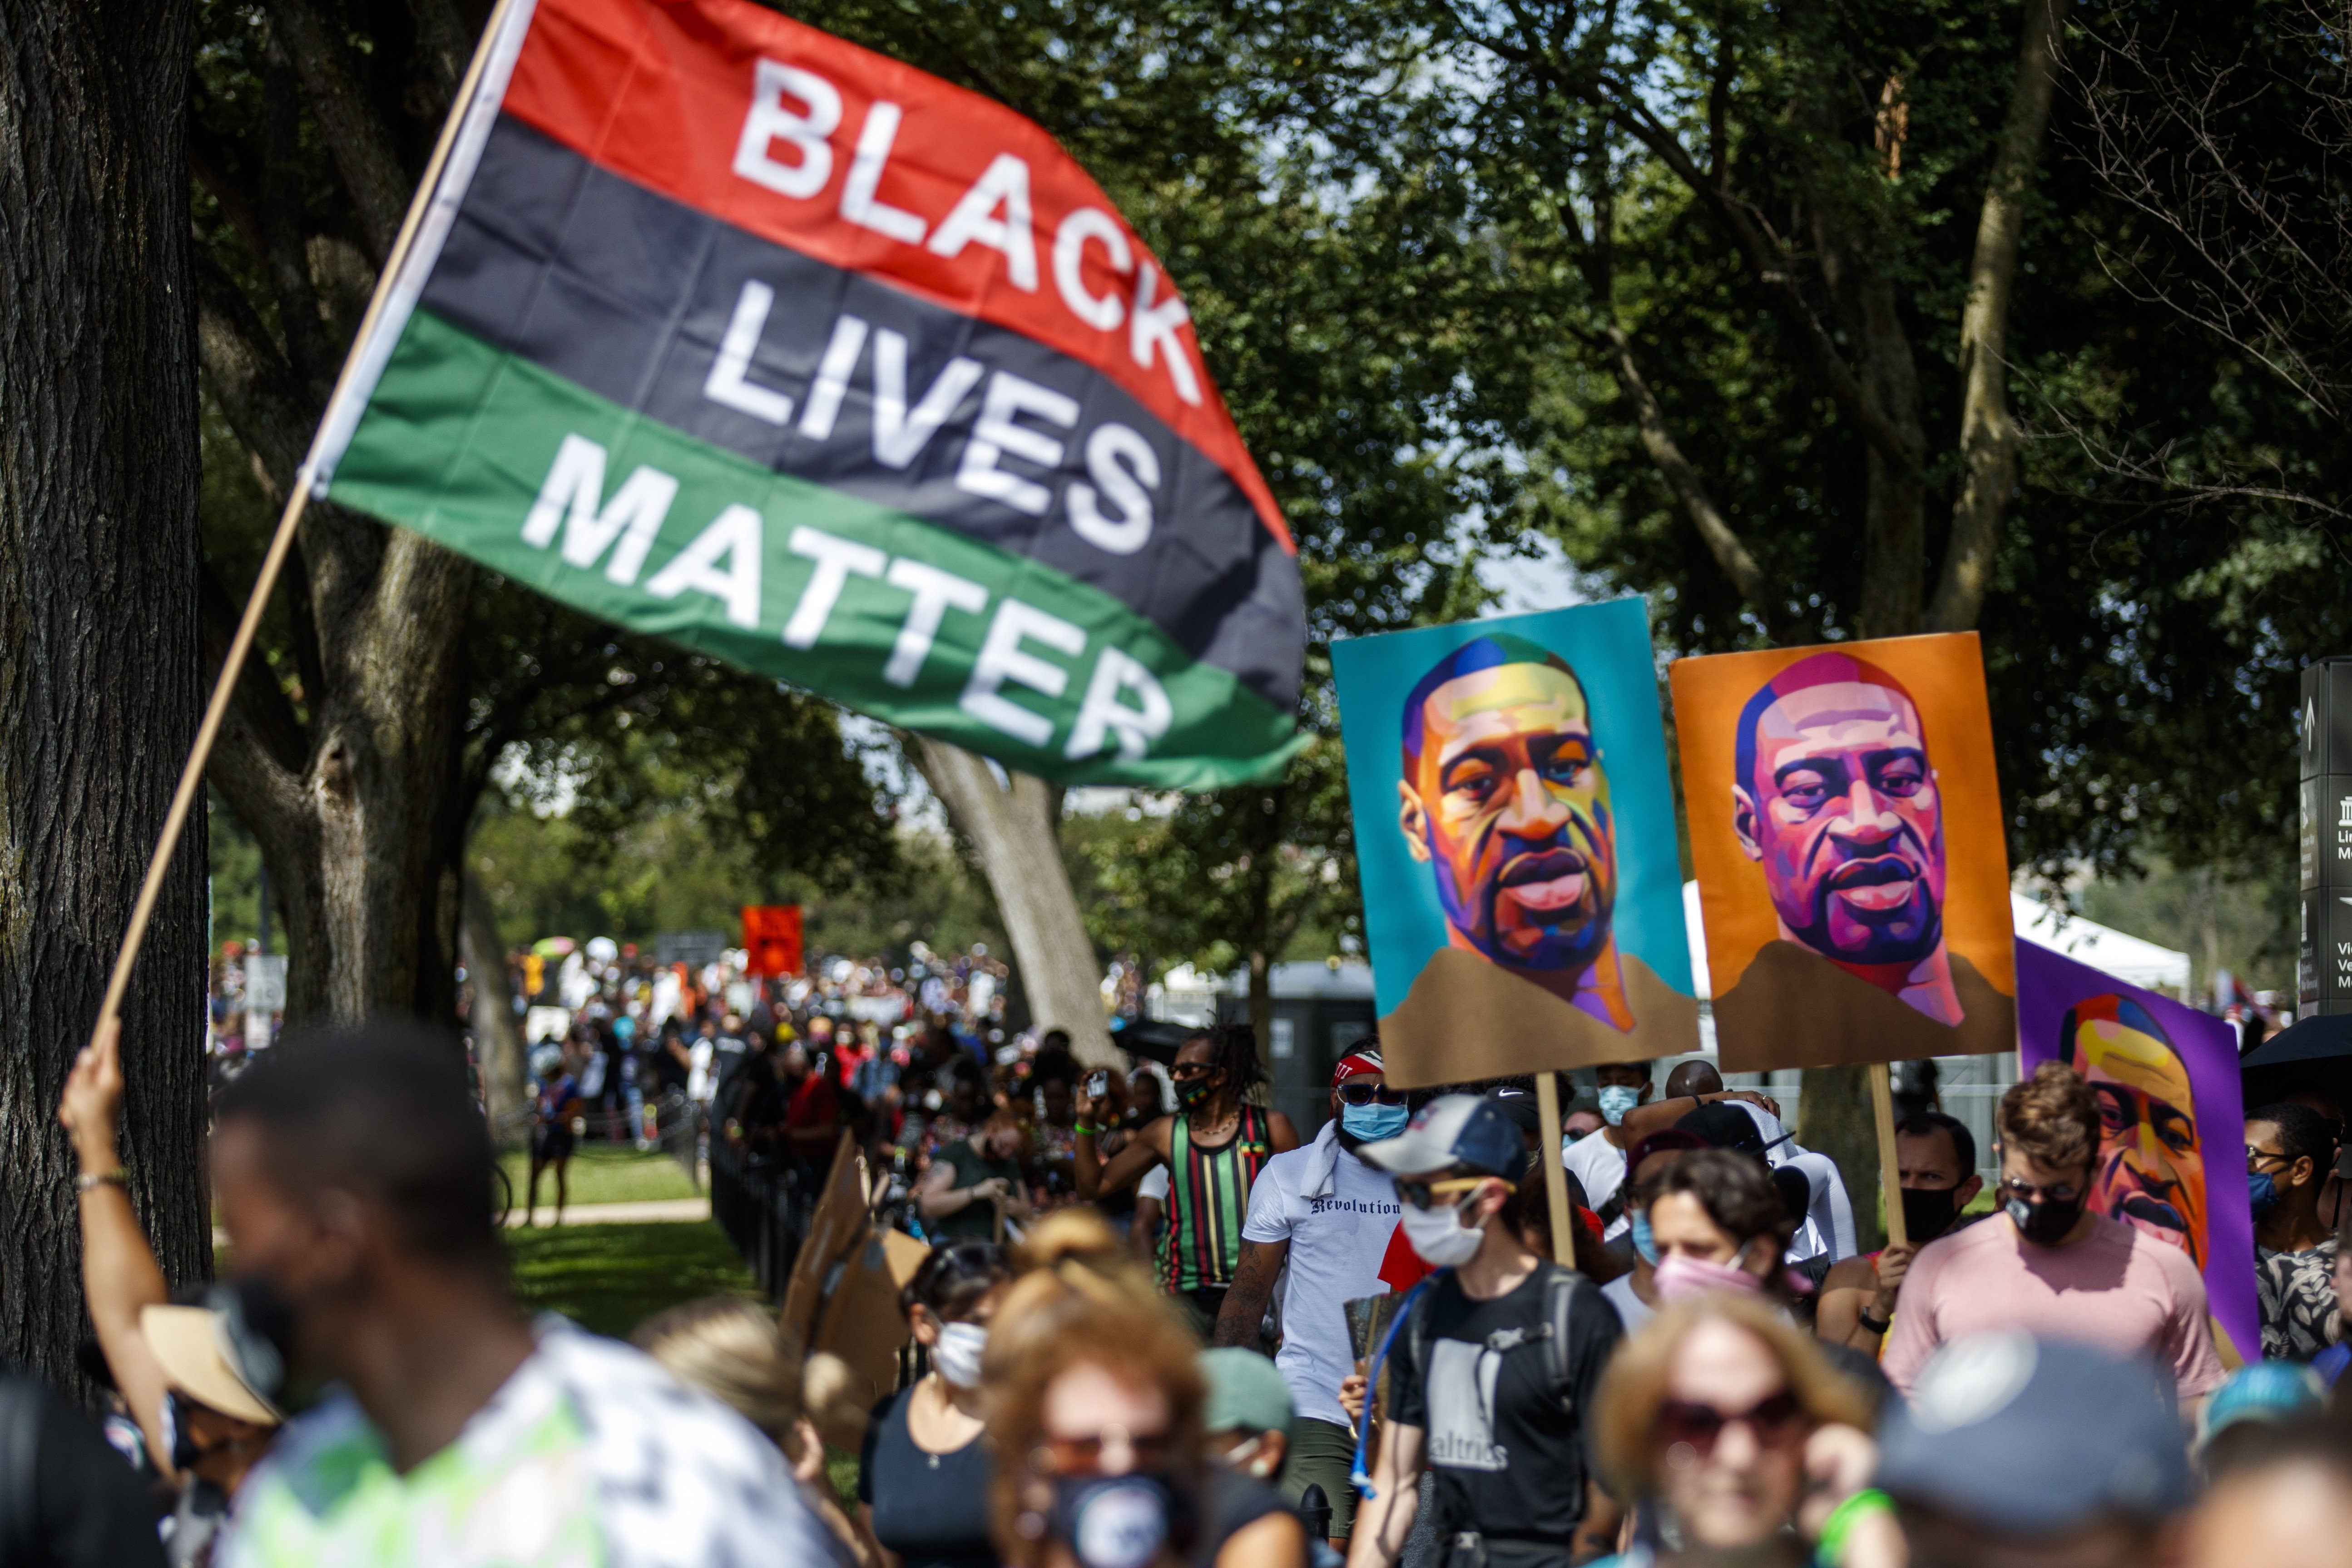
(1890, 1180)
(1563, 1239)
(192, 775)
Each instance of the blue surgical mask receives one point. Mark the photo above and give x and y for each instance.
(1374, 1122)
(1616, 1100)
(1643, 1242)
(2262, 1193)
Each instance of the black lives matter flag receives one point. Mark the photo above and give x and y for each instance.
(723, 329)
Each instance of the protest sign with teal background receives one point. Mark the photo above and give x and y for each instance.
(1515, 834)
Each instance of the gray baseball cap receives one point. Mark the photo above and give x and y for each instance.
(2026, 1436)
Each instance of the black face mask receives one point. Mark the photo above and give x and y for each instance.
(1121, 1522)
(258, 1324)
(1194, 1092)
(2044, 1224)
(1928, 1212)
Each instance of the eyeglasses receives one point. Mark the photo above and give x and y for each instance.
(1424, 1196)
(1084, 1455)
(1776, 1421)
(2026, 1191)
(2254, 1157)
(1185, 1072)
(1368, 1094)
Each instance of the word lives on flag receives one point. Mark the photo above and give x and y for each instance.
(723, 329)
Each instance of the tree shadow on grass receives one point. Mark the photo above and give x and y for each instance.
(610, 1278)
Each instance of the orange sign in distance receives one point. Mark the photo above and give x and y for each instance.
(772, 935)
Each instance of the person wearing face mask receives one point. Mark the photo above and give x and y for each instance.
(204, 1425)
(1717, 1224)
(1634, 1293)
(1491, 1362)
(1246, 1428)
(352, 1170)
(2287, 1150)
(1935, 1157)
(1095, 1398)
(2049, 1264)
(1328, 1216)
(1599, 1161)
(924, 1476)
(1214, 1146)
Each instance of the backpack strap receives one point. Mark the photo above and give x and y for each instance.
(1553, 1332)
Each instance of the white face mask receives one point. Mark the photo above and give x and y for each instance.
(956, 1356)
(1440, 1237)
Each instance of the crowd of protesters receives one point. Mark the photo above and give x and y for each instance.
(1157, 1326)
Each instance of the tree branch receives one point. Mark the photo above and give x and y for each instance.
(1682, 476)
(1988, 438)
(1770, 268)
(249, 378)
(361, 144)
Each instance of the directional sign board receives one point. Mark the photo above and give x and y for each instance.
(2324, 968)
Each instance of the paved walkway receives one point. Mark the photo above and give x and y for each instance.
(618, 1214)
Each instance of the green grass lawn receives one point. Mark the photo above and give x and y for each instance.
(603, 1173)
(610, 1278)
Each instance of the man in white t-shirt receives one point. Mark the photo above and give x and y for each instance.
(1598, 1159)
(1328, 1216)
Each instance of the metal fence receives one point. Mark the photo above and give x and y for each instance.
(764, 1210)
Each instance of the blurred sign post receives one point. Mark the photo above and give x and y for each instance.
(2324, 953)
(265, 994)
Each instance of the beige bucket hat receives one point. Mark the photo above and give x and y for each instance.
(187, 1343)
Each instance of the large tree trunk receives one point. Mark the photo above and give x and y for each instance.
(352, 808)
(98, 632)
(1012, 831)
(498, 1038)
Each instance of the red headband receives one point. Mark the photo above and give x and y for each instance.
(1356, 1064)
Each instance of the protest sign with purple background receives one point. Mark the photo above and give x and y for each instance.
(2171, 1155)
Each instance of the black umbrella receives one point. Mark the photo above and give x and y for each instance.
(2310, 1050)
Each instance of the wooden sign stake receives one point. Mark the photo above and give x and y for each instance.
(1890, 1180)
(1563, 1240)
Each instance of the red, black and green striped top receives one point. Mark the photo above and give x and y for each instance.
(1208, 1195)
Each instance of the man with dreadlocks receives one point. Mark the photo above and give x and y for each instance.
(1213, 1148)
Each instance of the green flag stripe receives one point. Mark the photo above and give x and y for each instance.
(626, 518)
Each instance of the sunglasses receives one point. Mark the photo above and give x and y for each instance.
(1084, 1455)
(1424, 1196)
(1776, 1421)
(1371, 1094)
(1185, 1072)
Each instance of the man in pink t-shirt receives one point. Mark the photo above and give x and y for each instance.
(2048, 1266)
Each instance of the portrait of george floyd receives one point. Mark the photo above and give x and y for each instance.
(1846, 835)
(1515, 834)
(2171, 1158)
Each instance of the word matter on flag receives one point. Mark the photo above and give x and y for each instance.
(728, 330)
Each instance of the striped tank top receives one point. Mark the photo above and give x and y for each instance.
(1208, 1194)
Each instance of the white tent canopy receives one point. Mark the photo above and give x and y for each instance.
(2133, 960)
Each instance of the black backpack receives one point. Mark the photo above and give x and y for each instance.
(1559, 1293)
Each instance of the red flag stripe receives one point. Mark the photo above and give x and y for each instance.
(811, 142)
